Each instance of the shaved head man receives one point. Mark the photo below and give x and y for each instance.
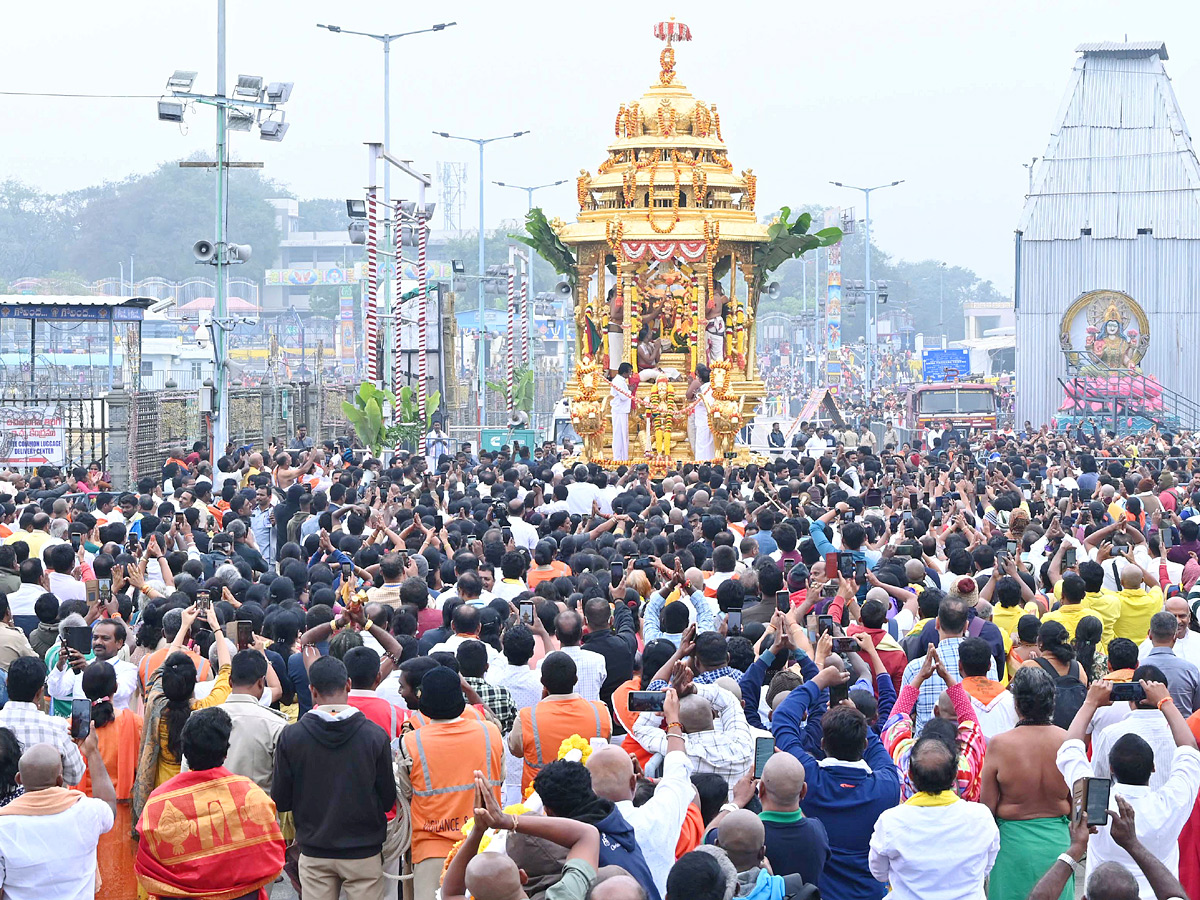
(743, 839)
(40, 768)
(493, 876)
(612, 771)
(617, 887)
(796, 845)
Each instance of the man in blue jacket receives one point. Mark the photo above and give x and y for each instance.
(847, 790)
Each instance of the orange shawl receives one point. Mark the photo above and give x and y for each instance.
(208, 834)
(46, 802)
(119, 748)
(982, 688)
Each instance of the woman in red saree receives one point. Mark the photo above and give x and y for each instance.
(207, 832)
(119, 734)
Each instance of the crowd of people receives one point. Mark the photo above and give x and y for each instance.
(956, 668)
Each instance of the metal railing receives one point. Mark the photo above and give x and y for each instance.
(1091, 381)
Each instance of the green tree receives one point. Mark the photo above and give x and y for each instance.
(34, 229)
(323, 214)
(157, 218)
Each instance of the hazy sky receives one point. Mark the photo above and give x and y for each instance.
(951, 97)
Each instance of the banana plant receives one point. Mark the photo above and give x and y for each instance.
(365, 414)
(523, 389)
(408, 428)
(788, 240)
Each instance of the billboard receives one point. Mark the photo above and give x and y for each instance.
(943, 365)
(833, 304)
(32, 436)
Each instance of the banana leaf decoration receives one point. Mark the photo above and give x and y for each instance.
(541, 237)
(788, 240)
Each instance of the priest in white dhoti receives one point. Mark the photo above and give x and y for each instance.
(703, 448)
(622, 404)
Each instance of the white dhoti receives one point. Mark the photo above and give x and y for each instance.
(620, 447)
(616, 349)
(703, 447)
(715, 344)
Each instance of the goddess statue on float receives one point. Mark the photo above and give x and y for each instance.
(666, 262)
(1105, 335)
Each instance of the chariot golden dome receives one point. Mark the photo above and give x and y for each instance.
(667, 169)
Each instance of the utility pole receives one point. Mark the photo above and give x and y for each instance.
(1029, 168)
(872, 336)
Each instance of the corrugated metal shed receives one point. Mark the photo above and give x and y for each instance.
(1116, 206)
(1127, 50)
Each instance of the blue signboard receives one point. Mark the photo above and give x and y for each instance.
(943, 365)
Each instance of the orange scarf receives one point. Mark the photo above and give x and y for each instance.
(982, 688)
(47, 802)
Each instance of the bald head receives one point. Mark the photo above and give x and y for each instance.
(493, 876)
(743, 839)
(612, 773)
(945, 707)
(695, 578)
(1131, 577)
(40, 768)
(617, 887)
(695, 714)
(782, 784)
(914, 571)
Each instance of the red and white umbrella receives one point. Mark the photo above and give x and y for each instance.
(672, 31)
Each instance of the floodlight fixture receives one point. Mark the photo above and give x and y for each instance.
(334, 28)
(458, 267)
(249, 86)
(182, 80)
(279, 91)
(357, 231)
(356, 209)
(272, 130)
(239, 120)
(169, 111)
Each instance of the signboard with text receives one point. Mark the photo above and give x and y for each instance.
(943, 365)
(32, 436)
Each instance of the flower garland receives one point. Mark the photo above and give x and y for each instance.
(582, 186)
(632, 120)
(751, 181)
(716, 117)
(575, 749)
(674, 199)
(666, 125)
(701, 121)
(620, 121)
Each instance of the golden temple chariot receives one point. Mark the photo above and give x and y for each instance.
(665, 281)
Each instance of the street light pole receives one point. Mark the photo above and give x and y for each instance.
(220, 435)
(529, 269)
(941, 304)
(391, 229)
(872, 311)
(481, 142)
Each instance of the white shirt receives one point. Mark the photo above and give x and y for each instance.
(64, 587)
(524, 534)
(621, 402)
(815, 446)
(590, 672)
(66, 684)
(657, 822)
(1186, 647)
(21, 601)
(451, 643)
(997, 716)
(1160, 813)
(580, 496)
(525, 685)
(967, 840)
(1148, 724)
(53, 857)
(506, 591)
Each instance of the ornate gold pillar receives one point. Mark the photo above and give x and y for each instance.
(748, 274)
(581, 302)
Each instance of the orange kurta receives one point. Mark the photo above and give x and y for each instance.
(115, 854)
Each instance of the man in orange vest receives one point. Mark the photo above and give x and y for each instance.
(540, 729)
(440, 760)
